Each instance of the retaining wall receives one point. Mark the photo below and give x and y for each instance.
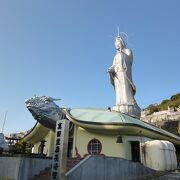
(106, 168)
(22, 168)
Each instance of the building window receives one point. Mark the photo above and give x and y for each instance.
(94, 146)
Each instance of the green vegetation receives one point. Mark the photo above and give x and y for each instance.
(152, 108)
(6, 178)
(173, 102)
(22, 147)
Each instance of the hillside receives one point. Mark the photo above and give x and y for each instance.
(173, 103)
(165, 115)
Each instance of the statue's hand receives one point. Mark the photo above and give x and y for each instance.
(110, 69)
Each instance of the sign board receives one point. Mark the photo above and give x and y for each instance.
(60, 150)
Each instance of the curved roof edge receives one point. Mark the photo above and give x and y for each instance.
(37, 133)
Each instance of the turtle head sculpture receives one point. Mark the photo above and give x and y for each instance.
(45, 110)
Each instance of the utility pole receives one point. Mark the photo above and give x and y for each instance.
(4, 121)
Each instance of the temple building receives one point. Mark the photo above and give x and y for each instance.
(102, 132)
(115, 132)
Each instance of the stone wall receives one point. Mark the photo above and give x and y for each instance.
(167, 121)
(22, 168)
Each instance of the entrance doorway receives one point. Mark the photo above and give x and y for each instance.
(70, 146)
(135, 151)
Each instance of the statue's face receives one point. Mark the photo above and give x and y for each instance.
(118, 44)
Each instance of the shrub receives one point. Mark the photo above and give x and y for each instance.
(6, 178)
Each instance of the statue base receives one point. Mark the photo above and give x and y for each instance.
(131, 110)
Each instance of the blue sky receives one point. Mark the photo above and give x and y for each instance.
(63, 49)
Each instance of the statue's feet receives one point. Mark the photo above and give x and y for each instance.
(131, 110)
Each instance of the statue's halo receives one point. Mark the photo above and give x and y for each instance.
(124, 37)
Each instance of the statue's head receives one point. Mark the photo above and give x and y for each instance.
(44, 110)
(119, 44)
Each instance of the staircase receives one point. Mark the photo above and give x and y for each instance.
(43, 175)
(46, 173)
(71, 162)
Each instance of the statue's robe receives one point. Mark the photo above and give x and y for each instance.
(121, 78)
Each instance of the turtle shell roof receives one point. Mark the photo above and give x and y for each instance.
(102, 116)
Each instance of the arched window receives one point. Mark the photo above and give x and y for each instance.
(94, 146)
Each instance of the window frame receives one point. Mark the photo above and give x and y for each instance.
(98, 147)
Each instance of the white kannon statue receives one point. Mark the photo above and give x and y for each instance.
(121, 79)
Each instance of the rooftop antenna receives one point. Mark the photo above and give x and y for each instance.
(4, 121)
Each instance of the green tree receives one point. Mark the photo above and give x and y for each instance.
(175, 97)
(153, 109)
(21, 147)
